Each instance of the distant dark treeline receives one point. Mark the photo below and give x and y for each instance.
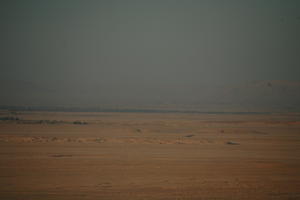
(120, 110)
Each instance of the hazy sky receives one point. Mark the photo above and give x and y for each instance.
(143, 45)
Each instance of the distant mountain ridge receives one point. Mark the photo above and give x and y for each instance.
(273, 95)
(265, 94)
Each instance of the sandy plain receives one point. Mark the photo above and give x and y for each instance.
(45, 155)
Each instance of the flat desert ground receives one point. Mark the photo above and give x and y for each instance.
(45, 155)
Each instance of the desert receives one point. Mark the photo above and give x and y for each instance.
(112, 155)
(150, 100)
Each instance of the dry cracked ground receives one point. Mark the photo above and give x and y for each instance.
(60, 155)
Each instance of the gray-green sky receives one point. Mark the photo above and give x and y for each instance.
(132, 46)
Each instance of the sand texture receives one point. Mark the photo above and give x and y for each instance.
(72, 156)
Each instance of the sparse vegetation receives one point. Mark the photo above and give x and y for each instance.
(189, 135)
(232, 143)
(49, 122)
(138, 130)
(9, 118)
(43, 121)
(79, 123)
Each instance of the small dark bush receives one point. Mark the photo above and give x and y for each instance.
(232, 143)
(189, 135)
(9, 118)
(79, 123)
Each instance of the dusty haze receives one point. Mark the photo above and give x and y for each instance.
(152, 100)
(203, 54)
